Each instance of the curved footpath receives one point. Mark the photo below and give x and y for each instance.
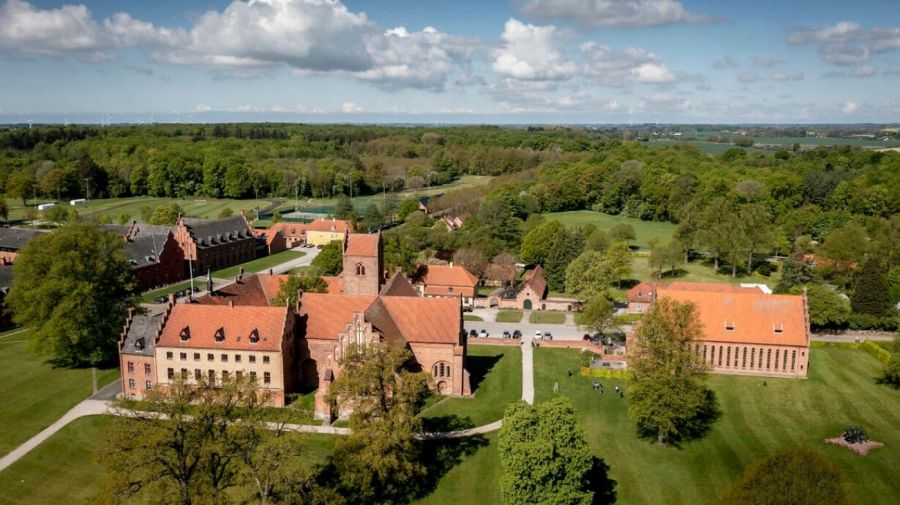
(101, 404)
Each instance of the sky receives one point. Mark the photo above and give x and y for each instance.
(460, 61)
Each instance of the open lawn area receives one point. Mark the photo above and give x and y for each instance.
(149, 296)
(35, 394)
(113, 207)
(470, 317)
(755, 420)
(643, 230)
(64, 469)
(509, 316)
(259, 264)
(539, 317)
(496, 378)
(696, 271)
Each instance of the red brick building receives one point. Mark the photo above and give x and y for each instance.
(11, 240)
(446, 280)
(211, 244)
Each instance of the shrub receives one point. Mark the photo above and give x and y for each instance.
(854, 435)
(766, 269)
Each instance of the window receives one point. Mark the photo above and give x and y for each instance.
(704, 353)
(182, 356)
(253, 376)
(776, 358)
(267, 378)
(210, 356)
(224, 358)
(147, 369)
(360, 269)
(130, 367)
(184, 374)
(254, 336)
(211, 376)
(449, 289)
(196, 356)
(237, 358)
(720, 355)
(728, 357)
(265, 360)
(712, 355)
(131, 384)
(768, 359)
(169, 355)
(793, 360)
(441, 370)
(359, 334)
(744, 358)
(198, 375)
(171, 373)
(784, 361)
(220, 335)
(729, 326)
(752, 357)
(148, 385)
(251, 358)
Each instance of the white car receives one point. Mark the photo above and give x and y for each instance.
(483, 334)
(538, 335)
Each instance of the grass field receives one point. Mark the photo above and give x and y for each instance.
(643, 230)
(755, 420)
(470, 317)
(259, 264)
(475, 480)
(538, 317)
(64, 469)
(34, 394)
(113, 207)
(509, 316)
(496, 378)
(699, 271)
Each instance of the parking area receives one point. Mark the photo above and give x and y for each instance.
(565, 331)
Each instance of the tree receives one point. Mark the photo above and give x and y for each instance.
(372, 217)
(871, 293)
(846, 245)
(790, 476)
(597, 314)
(826, 308)
(597, 240)
(123, 218)
(890, 370)
(185, 443)
(4, 209)
(795, 271)
(536, 244)
(715, 230)
(344, 209)
(667, 398)
(226, 212)
(562, 250)
(544, 455)
(287, 293)
(756, 226)
(73, 287)
(472, 258)
(589, 275)
(330, 260)
(659, 257)
(379, 462)
(622, 232)
(619, 258)
(165, 215)
(407, 207)
(57, 214)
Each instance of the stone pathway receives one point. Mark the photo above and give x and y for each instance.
(527, 369)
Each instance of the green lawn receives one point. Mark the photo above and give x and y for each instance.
(496, 377)
(113, 207)
(470, 317)
(34, 394)
(644, 230)
(259, 264)
(698, 271)
(755, 420)
(474, 480)
(539, 317)
(149, 296)
(64, 469)
(509, 316)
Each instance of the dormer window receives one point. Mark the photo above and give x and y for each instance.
(729, 326)
(139, 344)
(450, 289)
(185, 334)
(778, 328)
(220, 335)
(254, 336)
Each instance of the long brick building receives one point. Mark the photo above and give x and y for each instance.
(211, 244)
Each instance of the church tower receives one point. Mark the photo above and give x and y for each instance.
(363, 266)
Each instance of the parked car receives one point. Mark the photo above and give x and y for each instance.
(586, 337)
(467, 309)
(517, 334)
(548, 336)
(538, 334)
(473, 333)
(483, 333)
(507, 334)
(161, 299)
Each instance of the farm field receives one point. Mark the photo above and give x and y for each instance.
(34, 393)
(755, 420)
(644, 230)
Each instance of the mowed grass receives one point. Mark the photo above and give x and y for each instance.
(755, 421)
(259, 264)
(643, 230)
(509, 316)
(474, 480)
(64, 469)
(698, 271)
(496, 377)
(35, 394)
(207, 208)
(538, 317)
(470, 317)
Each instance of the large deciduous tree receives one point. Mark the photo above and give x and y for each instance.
(287, 293)
(536, 243)
(544, 455)
(330, 260)
(792, 476)
(73, 287)
(871, 293)
(668, 399)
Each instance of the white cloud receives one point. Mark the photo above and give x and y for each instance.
(842, 31)
(748, 77)
(847, 43)
(612, 13)
(618, 68)
(725, 62)
(25, 29)
(849, 107)
(202, 107)
(759, 61)
(846, 54)
(664, 102)
(350, 108)
(787, 76)
(531, 52)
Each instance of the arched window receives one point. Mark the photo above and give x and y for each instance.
(359, 335)
(441, 370)
(360, 269)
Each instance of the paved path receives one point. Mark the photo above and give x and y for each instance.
(527, 369)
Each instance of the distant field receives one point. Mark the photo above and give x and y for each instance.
(644, 230)
(34, 393)
(826, 141)
(714, 148)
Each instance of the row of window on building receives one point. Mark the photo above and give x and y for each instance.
(211, 375)
(737, 357)
(251, 358)
(148, 370)
(441, 370)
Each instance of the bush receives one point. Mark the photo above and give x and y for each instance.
(606, 373)
(869, 322)
(854, 435)
(802, 474)
(878, 352)
(766, 269)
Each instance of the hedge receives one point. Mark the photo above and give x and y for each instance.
(606, 373)
(870, 346)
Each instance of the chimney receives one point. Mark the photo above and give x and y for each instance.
(451, 264)
(231, 303)
(299, 299)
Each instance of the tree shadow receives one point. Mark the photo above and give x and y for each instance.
(440, 456)
(600, 483)
(699, 426)
(446, 423)
(674, 274)
(479, 367)
(629, 283)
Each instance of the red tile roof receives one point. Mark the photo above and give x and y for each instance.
(712, 287)
(255, 290)
(203, 321)
(534, 278)
(325, 316)
(438, 278)
(332, 225)
(362, 244)
(753, 315)
(642, 293)
(398, 285)
(334, 285)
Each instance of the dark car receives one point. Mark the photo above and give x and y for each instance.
(161, 299)
(473, 334)
(467, 309)
(517, 334)
(507, 334)
(548, 335)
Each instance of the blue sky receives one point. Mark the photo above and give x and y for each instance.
(518, 61)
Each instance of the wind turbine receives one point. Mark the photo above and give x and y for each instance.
(29, 123)
(67, 122)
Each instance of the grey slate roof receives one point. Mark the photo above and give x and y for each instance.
(6, 277)
(14, 238)
(144, 250)
(144, 230)
(210, 232)
(142, 327)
